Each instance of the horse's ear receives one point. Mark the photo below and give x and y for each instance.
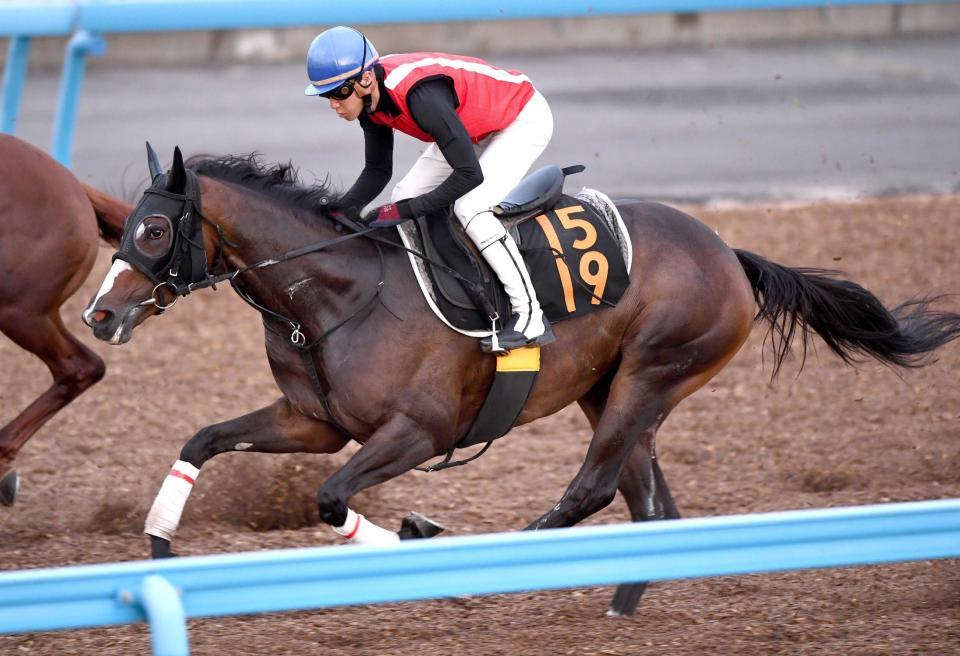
(153, 162)
(178, 174)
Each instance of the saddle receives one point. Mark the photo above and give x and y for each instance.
(576, 250)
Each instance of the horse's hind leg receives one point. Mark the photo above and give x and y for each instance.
(643, 488)
(74, 368)
(648, 498)
(670, 352)
(635, 407)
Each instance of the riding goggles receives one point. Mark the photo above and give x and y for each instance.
(341, 92)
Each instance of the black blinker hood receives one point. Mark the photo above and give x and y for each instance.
(185, 262)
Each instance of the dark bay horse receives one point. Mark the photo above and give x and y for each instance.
(50, 226)
(391, 376)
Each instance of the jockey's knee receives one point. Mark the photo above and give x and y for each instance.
(481, 226)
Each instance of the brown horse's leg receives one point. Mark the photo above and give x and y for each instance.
(277, 428)
(395, 448)
(668, 354)
(643, 488)
(648, 498)
(634, 408)
(74, 368)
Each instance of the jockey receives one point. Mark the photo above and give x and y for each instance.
(485, 127)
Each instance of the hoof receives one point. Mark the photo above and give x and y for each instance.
(626, 598)
(416, 526)
(160, 548)
(9, 486)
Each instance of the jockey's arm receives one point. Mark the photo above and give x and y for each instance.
(377, 168)
(433, 105)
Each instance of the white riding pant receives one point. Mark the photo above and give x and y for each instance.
(505, 157)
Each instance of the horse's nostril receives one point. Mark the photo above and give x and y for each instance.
(100, 316)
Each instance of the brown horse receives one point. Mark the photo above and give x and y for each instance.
(382, 370)
(49, 227)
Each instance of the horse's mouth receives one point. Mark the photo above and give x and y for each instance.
(122, 335)
(119, 331)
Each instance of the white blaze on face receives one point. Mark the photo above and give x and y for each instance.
(119, 266)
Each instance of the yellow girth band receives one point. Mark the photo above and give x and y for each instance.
(521, 359)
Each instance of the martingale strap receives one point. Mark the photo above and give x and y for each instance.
(514, 378)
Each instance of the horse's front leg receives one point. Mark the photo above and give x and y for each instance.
(277, 428)
(395, 448)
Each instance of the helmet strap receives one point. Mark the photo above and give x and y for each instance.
(367, 99)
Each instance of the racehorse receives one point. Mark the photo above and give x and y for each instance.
(49, 227)
(357, 355)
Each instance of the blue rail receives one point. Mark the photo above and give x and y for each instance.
(25, 17)
(22, 19)
(165, 593)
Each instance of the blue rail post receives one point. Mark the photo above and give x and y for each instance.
(14, 75)
(82, 43)
(168, 621)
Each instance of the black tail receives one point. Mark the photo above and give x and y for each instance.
(852, 321)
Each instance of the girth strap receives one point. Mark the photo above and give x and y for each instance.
(512, 383)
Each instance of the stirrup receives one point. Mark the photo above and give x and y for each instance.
(508, 339)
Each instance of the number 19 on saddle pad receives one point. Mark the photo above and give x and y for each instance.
(575, 263)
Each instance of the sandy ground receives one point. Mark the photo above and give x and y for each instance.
(831, 436)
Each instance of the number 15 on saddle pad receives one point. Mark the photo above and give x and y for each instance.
(575, 262)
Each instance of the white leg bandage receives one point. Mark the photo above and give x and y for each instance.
(164, 516)
(360, 530)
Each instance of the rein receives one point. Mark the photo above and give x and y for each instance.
(211, 281)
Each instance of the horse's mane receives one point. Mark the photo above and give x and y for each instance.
(279, 181)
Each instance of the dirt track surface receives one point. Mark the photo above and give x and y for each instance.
(831, 436)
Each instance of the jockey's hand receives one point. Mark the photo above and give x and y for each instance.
(389, 215)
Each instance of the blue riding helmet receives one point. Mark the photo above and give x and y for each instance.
(336, 56)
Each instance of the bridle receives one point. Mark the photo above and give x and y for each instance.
(184, 264)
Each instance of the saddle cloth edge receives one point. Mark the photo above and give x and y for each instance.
(596, 199)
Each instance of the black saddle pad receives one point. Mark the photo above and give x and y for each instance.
(574, 261)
